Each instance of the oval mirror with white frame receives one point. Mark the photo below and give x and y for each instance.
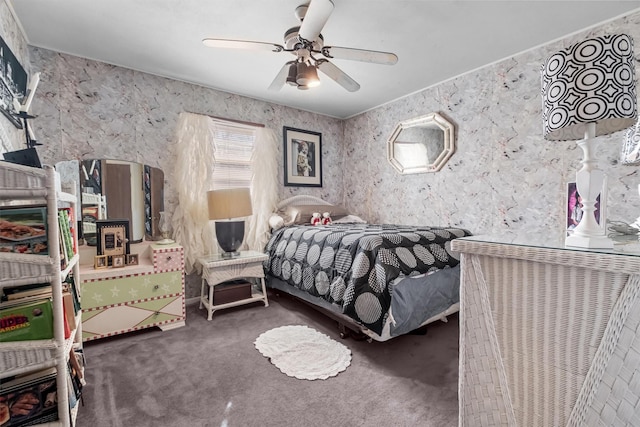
(420, 145)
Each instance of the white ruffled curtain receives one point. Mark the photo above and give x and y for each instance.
(264, 188)
(193, 175)
(190, 220)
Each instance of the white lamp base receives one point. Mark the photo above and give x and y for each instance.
(589, 242)
(165, 242)
(590, 182)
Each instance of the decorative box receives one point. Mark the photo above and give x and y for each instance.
(233, 290)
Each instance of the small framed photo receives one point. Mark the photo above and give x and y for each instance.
(302, 158)
(132, 259)
(112, 237)
(100, 261)
(574, 207)
(117, 261)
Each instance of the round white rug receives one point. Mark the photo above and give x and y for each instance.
(304, 353)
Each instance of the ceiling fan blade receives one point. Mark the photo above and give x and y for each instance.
(281, 77)
(242, 44)
(363, 55)
(314, 19)
(338, 75)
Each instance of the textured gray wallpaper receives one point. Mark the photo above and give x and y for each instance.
(504, 175)
(88, 109)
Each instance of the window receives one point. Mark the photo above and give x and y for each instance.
(233, 147)
(216, 154)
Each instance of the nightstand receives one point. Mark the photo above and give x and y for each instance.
(216, 270)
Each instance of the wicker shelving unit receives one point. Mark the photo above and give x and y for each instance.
(21, 185)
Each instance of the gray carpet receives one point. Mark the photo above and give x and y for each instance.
(210, 374)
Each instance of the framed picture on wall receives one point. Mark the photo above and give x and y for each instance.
(302, 158)
(112, 237)
(13, 83)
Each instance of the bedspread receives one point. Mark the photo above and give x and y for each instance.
(352, 265)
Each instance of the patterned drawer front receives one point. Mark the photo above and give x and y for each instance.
(100, 293)
(168, 260)
(129, 317)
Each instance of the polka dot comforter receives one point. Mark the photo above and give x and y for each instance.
(352, 265)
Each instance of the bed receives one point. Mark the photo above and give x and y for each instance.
(380, 280)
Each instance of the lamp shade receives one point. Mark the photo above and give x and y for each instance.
(229, 203)
(590, 82)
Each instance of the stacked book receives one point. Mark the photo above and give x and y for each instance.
(31, 398)
(67, 240)
(24, 230)
(26, 312)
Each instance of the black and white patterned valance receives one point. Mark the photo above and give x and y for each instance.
(590, 82)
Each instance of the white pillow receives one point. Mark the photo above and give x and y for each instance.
(276, 222)
(349, 219)
(301, 214)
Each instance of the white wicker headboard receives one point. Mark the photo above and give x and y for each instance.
(302, 199)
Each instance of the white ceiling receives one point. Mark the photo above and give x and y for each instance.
(434, 40)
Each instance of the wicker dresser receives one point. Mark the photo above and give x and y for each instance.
(549, 336)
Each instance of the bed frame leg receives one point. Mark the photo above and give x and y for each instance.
(346, 332)
(422, 330)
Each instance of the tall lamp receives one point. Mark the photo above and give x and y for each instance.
(588, 90)
(224, 206)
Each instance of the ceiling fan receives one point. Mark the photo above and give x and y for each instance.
(307, 44)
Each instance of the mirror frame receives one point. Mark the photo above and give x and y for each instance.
(447, 127)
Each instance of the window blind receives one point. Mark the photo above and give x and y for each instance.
(233, 146)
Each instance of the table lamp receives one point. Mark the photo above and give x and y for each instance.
(589, 90)
(224, 206)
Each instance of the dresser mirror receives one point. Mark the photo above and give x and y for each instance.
(117, 189)
(422, 144)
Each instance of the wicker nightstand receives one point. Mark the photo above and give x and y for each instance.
(216, 270)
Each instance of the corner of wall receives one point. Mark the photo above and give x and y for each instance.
(342, 156)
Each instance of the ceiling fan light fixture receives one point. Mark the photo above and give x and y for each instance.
(307, 75)
(293, 73)
(314, 81)
(305, 41)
